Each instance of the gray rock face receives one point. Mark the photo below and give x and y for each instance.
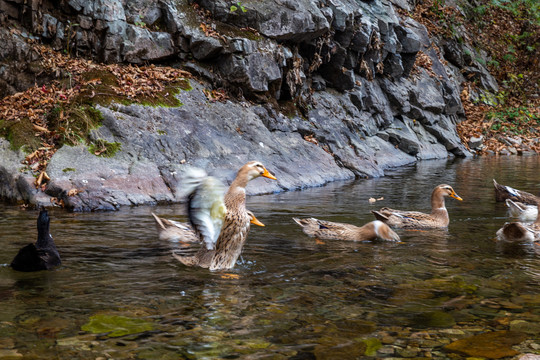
(289, 20)
(10, 163)
(345, 63)
(143, 45)
(219, 137)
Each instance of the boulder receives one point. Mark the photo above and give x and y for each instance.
(475, 142)
(142, 45)
(427, 96)
(283, 20)
(255, 71)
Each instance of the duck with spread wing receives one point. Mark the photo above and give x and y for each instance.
(220, 220)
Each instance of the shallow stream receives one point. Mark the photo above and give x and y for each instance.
(120, 294)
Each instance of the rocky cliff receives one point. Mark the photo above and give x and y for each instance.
(317, 90)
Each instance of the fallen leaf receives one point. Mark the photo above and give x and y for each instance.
(73, 192)
(41, 128)
(230, 276)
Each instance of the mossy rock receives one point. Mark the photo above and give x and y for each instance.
(20, 133)
(372, 345)
(116, 325)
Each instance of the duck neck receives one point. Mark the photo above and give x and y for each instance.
(44, 237)
(241, 180)
(437, 204)
(236, 195)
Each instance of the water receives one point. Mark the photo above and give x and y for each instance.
(291, 296)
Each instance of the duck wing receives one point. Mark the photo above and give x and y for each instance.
(503, 192)
(206, 205)
(405, 219)
(308, 225)
(327, 230)
(28, 259)
(402, 214)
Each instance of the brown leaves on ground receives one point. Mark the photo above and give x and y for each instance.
(216, 95)
(36, 103)
(311, 138)
(135, 81)
(423, 61)
(207, 27)
(512, 39)
(431, 13)
(477, 123)
(507, 34)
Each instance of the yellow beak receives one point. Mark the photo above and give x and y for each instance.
(256, 221)
(456, 196)
(267, 174)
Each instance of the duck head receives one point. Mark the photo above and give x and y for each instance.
(254, 169)
(446, 190)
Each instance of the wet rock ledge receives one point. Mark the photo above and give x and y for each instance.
(318, 91)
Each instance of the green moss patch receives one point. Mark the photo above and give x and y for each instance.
(104, 148)
(116, 325)
(20, 133)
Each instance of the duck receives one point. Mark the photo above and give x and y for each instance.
(175, 231)
(523, 212)
(220, 221)
(41, 255)
(503, 192)
(520, 232)
(438, 218)
(328, 230)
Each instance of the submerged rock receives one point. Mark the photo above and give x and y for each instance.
(437, 319)
(332, 348)
(491, 345)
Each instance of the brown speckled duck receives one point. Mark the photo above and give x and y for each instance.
(328, 230)
(503, 192)
(438, 218)
(223, 243)
(520, 232)
(175, 231)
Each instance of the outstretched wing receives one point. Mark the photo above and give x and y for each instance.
(206, 205)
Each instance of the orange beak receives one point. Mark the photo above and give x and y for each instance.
(256, 221)
(456, 196)
(267, 174)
